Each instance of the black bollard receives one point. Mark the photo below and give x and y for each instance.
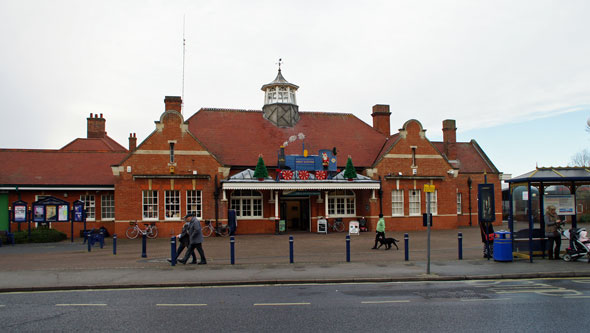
(143, 245)
(347, 248)
(101, 239)
(232, 250)
(173, 250)
(291, 249)
(114, 244)
(460, 239)
(89, 246)
(406, 246)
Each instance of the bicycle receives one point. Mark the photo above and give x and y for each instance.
(151, 231)
(219, 229)
(337, 226)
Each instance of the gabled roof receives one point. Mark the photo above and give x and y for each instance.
(470, 158)
(57, 167)
(237, 137)
(94, 144)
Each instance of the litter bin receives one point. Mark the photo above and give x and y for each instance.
(502, 246)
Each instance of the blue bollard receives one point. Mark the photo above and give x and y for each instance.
(101, 239)
(347, 248)
(114, 244)
(291, 249)
(173, 250)
(143, 245)
(232, 250)
(406, 246)
(460, 236)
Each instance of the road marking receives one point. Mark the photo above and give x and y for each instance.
(181, 304)
(483, 299)
(279, 304)
(2, 305)
(94, 304)
(383, 302)
(576, 296)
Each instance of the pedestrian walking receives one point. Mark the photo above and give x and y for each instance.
(184, 241)
(380, 231)
(195, 241)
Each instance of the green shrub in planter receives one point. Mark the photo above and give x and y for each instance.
(43, 235)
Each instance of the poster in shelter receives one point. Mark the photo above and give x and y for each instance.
(20, 213)
(564, 203)
(50, 213)
(38, 213)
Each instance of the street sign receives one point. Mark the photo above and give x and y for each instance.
(429, 188)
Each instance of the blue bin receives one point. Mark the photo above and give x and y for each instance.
(502, 246)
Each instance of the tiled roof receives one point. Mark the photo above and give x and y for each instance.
(470, 158)
(94, 144)
(237, 137)
(55, 167)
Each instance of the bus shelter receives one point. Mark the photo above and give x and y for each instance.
(566, 188)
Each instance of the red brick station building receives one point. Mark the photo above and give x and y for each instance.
(204, 164)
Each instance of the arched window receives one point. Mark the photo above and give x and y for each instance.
(341, 203)
(247, 203)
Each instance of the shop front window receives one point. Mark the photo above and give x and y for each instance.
(341, 203)
(247, 203)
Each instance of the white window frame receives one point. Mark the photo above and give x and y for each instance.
(247, 204)
(413, 203)
(107, 207)
(89, 206)
(341, 203)
(433, 202)
(397, 203)
(459, 202)
(153, 196)
(194, 202)
(172, 205)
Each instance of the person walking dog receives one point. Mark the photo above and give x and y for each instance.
(380, 231)
(195, 240)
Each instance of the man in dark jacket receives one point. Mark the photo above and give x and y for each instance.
(195, 240)
(183, 242)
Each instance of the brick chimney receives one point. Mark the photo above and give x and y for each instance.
(132, 141)
(96, 127)
(450, 138)
(173, 103)
(381, 118)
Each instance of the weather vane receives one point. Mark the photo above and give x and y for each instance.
(280, 63)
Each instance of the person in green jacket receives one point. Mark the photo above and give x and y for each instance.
(380, 231)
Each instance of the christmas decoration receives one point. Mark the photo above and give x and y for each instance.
(303, 175)
(349, 172)
(260, 171)
(287, 174)
(321, 175)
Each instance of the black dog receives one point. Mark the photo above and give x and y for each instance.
(388, 242)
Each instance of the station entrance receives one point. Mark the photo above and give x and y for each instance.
(296, 213)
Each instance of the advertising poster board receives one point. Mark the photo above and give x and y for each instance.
(78, 212)
(62, 213)
(50, 213)
(486, 203)
(38, 213)
(565, 204)
(20, 213)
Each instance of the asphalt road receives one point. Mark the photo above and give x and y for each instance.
(484, 305)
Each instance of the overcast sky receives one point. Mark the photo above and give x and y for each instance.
(515, 75)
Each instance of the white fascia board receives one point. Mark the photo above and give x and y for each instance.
(254, 185)
(24, 188)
